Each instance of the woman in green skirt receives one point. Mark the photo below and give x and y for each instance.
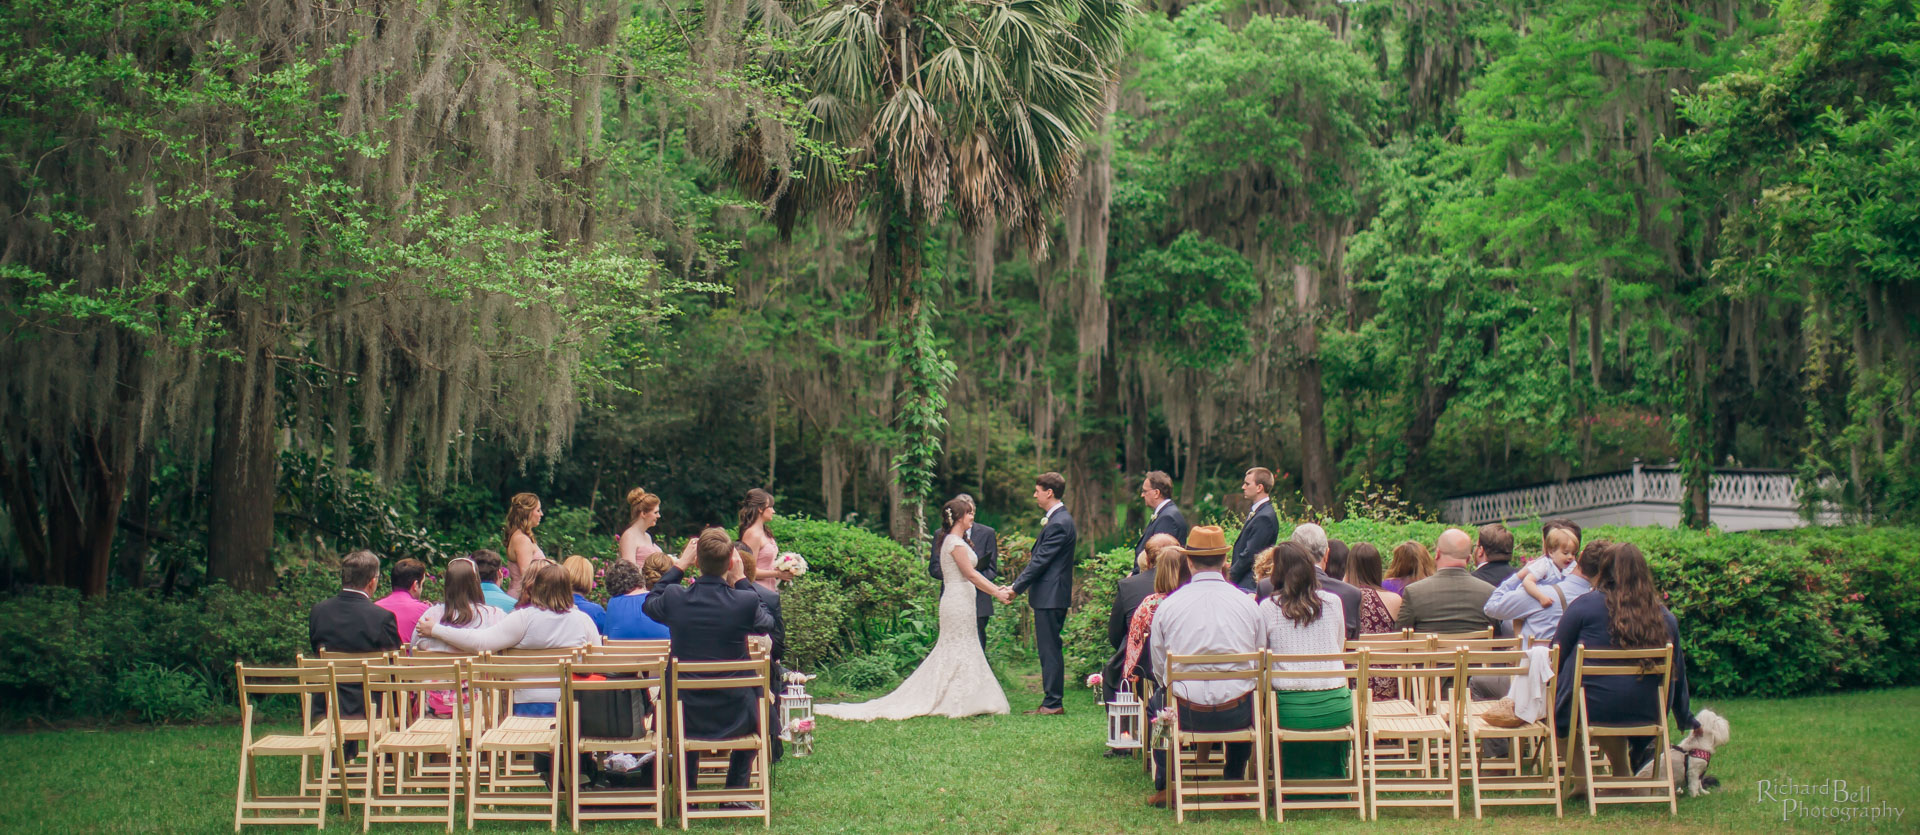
(1302, 619)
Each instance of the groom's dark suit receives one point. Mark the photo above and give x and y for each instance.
(986, 544)
(1048, 582)
(1259, 534)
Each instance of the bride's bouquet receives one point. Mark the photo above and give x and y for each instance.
(790, 562)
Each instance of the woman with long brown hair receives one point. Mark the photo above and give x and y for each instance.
(465, 605)
(755, 513)
(546, 619)
(636, 540)
(1412, 562)
(1303, 619)
(1626, 614)
(523, 515)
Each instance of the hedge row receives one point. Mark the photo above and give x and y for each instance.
(1774, 613)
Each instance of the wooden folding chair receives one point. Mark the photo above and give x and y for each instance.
(492, 792)
(638, 680)
(434, 768)
(1352, 673)
(304, 682)
(1448, 640)
(404, 731)
(662, 645)
(1541, 733)
(1627, 788)
(1438, 729)
(349, 670)
(1401, 635)
(1214, 795)
(698, 675)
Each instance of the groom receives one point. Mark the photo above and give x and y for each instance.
(1048, 581)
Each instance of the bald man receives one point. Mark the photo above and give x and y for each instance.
(1452, 600)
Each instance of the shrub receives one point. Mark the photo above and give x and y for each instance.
(159, 694)
(818, 617)
(865, 672)
(878, 578)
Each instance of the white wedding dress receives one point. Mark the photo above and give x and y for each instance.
(954, 680)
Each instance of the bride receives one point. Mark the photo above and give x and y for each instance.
(954, 680)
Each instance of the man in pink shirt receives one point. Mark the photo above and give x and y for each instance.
(405, 603)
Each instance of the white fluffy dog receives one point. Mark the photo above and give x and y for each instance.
(1692, 755)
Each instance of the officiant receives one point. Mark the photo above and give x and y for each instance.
(986, 543)
(1157, 492)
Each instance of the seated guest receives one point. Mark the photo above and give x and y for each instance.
(1494, 552)
(1537, 623)
(546, 619)
(1377, 606)
(351, 622)
(1302, 619)
(1210, 616)
(1314, 538)
(465, 606)
(710, 621)
(1126, 600)
(1336, 566)
(1170, 573)
(486, 563)
(1263, 569)
(1411, 564)
(580, 572)
(1625, 614)
(404, 601)
(628, 584)
(1452, 600)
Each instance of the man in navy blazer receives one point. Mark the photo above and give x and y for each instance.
(1048, 582)
(1261, 531)
(985, 544)
(710, 621)
(1157, 492)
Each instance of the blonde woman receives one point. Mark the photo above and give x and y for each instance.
(523, 515)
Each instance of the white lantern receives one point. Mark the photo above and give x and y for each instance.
(1126, 719)
(795, 705)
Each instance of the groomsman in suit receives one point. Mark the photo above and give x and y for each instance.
(351, 622)
(986, 544)
(1157, 492)
(1261, 531)
(1048, 581)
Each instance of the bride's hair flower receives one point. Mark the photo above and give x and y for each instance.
(1094, 680)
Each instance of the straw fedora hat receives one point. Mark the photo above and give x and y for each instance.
(1206, 541)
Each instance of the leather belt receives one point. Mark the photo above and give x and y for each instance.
(1226, 705)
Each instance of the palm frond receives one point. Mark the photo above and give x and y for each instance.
(915, 137)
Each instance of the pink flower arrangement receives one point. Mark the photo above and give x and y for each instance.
(803, 726)
(1094, 681)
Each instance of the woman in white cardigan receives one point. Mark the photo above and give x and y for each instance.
(546, 619)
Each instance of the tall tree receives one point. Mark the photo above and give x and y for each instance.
(978, 106)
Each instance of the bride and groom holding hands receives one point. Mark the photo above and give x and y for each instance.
(955, 679)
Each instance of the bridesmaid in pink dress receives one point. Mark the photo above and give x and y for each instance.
(755, 512)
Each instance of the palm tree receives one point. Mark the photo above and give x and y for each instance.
(977, 104)
(981, 102)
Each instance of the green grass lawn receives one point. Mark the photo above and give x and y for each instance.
(1000, 774)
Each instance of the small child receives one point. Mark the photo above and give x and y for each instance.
(1550, 569)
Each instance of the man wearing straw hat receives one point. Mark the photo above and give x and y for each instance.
(1207, 616)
